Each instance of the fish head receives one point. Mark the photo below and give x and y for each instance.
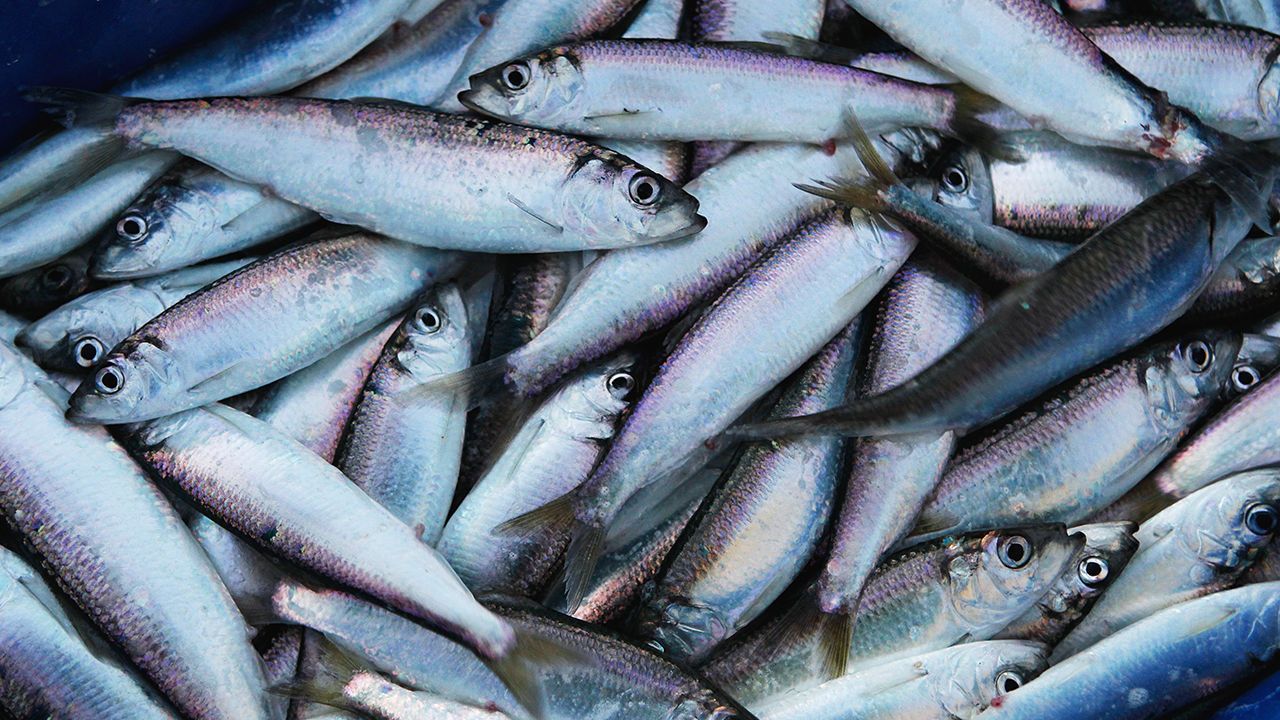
(434, 333)
(48, 286)
(961, 180)
(993, 578)
(131, 384)
(533, 90)
(707, 705)
(1258, 356)
(77, 335)
(1198, 367)
(685, 630)
(1269, 92)
(588, 404)
(149, 235)
(974, 674)
(1225, 524)
(611, 201)
(1108, 547)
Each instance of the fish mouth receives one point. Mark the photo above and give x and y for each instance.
(474, 98)
(693, 227)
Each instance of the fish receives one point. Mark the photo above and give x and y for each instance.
(760, 526)
(1108, 548)
(193, 214)
(40, 290)
(954, 682)
(313, 404)
(1197, 546)
(78, 334)
(511, 190)
(926, 308)
(48, 669)
(117, 548)
(550, 453)
(752, 335)
(1158, 664)
(1082, 446)
(1067, 318)
(749, 20)
(407, 457)
(1248, 281)
(963, 589)
(1261, 14)
(1097, 101)
(250, 576)
(182, 358)
(666, 90)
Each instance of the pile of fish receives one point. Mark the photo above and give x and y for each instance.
(651, 360)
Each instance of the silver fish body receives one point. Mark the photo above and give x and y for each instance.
(925, 308)
(1083, 446)
(1198, 545)
(1160, 663)
(378, 165)
(375, 696)
(249, 575)
(749, 20)
(50, 162)
(193, 214)
(80, 333)
(49, 671)
(117, 548)
(955, 682)
(281, 496)
(925, 599)
(760, 526)
(212, 344)
(406, 455)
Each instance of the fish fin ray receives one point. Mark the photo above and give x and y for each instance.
(477, 382)
(586, 546)
(530, 212)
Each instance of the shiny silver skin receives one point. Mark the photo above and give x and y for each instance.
(925, 309)
(406, 454)
(551, 453)
(80, 333)
(374, 696)
(246, 330)
(117, 548)
(486, 186)
(283, 498)
(414, 64)
(749, 20)
(194, 213)
(521, 27)
(1097, 102)
(664, 90)
(313, 404)
(781, 311)
(1249, 280)
(657, 19)
(49, 671)
(52, 161)
(249, 575)
(1108, 547)
(1261, 14)
(925, 599)
(1197, 546)
(43, 289)
(758, 529)
(1081, 447)
(954, 683)
(1159, 664)
(43, 228)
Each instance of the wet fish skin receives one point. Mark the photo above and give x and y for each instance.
(665, 90)
(749, 20)
(80, 333)
(406, 455)
(40, 290)
(313, 404)
(924, 599)
(104, 532)
(210, 345)
(955, 682)
(49, 671)
(1248, 280)
(51, 161)
(759, 527)
(1108, 547)
(552, 452)
(192, 214)
(1206, 644)
(508, 189)
(1195, 547)
(374, 695)
(1083, 445)
(924, 310)
(250, 576)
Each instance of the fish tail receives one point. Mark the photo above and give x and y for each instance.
(585, 548)
(79, 108)
(867, 192)
(1248, 177)
(519, 669)
(477, 383)
(969, 123)
(834, 632)
(557, 514)
(334, 668)
(833, 642)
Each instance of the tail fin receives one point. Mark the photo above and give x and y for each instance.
(835, 633)
(519, 669)
(477, 383)
(79, 108)
(585, 548)
(333, 670)
(865, 192)
(557, 514)
(978, 119)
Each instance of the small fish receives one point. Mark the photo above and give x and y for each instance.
(249, 576)
(1197, 546)
(38, 291)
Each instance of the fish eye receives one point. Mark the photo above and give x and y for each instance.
(1008, 681)
(1199, 355)
(57, 278)
(427, 320)
(1093, 571)
(88, 351)
(644, 190)
(723, 713)
(109, 380)
(132, 227)
(515, 76)
(955, 179)
(1014, 551)
(621, 384)
(1261, 519)
(1244, 377)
